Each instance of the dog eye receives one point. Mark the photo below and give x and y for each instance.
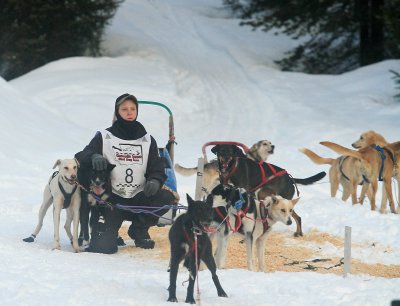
(283, 210)
(291, 210)
(65, 168)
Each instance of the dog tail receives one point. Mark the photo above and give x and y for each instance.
(316, 158)
(185, 171)
(310, 180)
(341, 150)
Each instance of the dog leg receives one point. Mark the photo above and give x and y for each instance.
(353, 189)
(398, 190)
(67, 225)
(334, 181)
(346, 190)
(374, 186)
(260, 243)
(190, 263)
(387, 186)
(248, 238)
(297, 218)
(173, 271)
(47, 200)
(75, 206)
(220, 250)
(210, 263)
(58, 204)
(383, 201)
(364, 189)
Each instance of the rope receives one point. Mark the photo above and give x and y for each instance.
(312, 267)
(133, 209)
(196, 252)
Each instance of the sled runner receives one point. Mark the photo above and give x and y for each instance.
(167, 153)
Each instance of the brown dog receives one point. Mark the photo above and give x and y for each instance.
(346, 170)
(372, 168)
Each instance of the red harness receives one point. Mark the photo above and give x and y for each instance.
(239, 217)
(264, 178)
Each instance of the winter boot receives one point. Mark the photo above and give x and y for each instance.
(141, 237)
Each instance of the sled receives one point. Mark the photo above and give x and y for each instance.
(203, 160)
(167, 153)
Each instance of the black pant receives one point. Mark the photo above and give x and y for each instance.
(105, 241)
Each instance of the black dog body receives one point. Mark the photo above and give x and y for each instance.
(182, 237)
(96, 187)
(261, 178)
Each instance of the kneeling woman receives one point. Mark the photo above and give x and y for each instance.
(136, 179)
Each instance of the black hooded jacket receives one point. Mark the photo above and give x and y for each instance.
(132, 131)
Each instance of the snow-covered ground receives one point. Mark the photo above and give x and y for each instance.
(221, 84)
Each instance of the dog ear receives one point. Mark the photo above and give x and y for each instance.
(58, 162)
(215, 149)
(295, 201)
(253, 148)
(189, 199)
(110, 166)
(274, 200)
(237, 151)
(210, 199)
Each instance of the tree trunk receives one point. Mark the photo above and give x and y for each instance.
(370, 14)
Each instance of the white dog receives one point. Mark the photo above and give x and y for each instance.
(255, 225)
(63, 192)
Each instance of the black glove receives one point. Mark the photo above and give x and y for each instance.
(99, 163)
(151, 187)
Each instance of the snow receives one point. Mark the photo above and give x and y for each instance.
(221, 83)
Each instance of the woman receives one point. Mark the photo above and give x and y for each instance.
(136, 179)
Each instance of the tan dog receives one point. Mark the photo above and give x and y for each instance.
(346, 170)
(371, 166)
(61, 191)
(258, 152)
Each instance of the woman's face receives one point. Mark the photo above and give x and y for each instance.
(127, 110)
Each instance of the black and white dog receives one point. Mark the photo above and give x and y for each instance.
(187, 236)
(96, 188)
(236, 212)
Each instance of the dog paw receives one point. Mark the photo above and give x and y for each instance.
(222, 294)
(172, 299)
(56, 246)
(29, 239)
(190, 300)
(296, 234)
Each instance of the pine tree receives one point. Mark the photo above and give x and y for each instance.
(396, 78)
(337, 36)
(35, 32)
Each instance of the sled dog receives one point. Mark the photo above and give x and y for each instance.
(189, 228)
(376, 164)
(346, 170)
(63, 192)
(252, 218)
(258, 152)
(96, 187)
(262, 179)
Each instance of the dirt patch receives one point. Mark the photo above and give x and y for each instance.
(283, 253)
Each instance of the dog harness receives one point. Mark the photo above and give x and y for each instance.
(264, 216)
(130, 158)
(264, 178)
(382, 155)
(67, 196)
